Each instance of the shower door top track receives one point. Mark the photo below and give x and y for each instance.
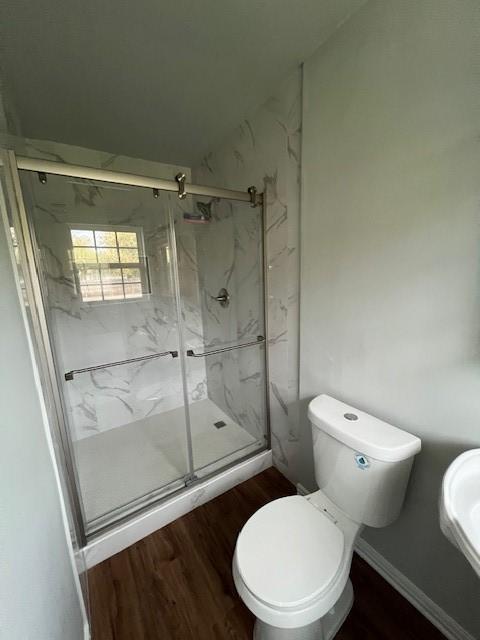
(116, 177)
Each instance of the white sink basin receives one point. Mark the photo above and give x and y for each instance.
(460, 505)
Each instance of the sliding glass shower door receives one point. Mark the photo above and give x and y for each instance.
(108, 286)
(155, 313)
(220, 249)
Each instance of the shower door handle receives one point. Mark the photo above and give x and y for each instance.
(191, 353)
(70, 374)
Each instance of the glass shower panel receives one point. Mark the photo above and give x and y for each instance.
(220, 261)
(105, 258)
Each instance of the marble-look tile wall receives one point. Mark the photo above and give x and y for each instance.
(265, 151)
(90, 333)
(229, 250)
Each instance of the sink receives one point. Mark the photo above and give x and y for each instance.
(460, 505)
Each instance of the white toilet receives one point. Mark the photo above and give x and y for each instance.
(293, 556)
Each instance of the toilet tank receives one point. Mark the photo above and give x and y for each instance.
(361, 463)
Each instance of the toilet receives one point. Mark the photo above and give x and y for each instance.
(292, 558)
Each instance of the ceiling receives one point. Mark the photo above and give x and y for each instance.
(155, 79)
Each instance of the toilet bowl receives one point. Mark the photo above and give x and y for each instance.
(291, 567)
(292, 558)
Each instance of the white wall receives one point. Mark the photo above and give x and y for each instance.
(38, 596)
(390, 285)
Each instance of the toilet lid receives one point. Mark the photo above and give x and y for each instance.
(289, 552)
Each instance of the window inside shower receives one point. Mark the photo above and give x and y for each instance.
(162, 378)
(109, 263)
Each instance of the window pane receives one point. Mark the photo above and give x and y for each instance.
(131, 275)
(105, 238)
(82, 238)
(89, 276)
(98, 255)
(107, 255)
(113, 292)
(111, 276)
(128, 255)
(127, 239)
(91, 293)
(84, 255)
(133, 290)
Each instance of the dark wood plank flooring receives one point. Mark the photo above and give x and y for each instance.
(177, 584)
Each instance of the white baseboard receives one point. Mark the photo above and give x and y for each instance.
(405, 587)
(127, 534)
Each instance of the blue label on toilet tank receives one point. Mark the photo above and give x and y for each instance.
(362, 461)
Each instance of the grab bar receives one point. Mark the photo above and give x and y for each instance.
(192, 354)
(70, 374)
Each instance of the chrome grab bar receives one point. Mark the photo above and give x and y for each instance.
(70, 374)
(192, 354)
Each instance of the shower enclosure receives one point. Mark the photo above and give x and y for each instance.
(150, 315)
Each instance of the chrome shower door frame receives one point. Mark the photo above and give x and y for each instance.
(29, 260)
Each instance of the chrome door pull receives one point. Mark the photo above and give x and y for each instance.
(191, 353)
(70, 374)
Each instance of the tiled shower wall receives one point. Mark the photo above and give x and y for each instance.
(265, 151)
(93, 333)
(229, 254)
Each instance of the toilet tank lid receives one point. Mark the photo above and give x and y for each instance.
(361, 431)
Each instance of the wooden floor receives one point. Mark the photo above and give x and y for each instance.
(177, 583)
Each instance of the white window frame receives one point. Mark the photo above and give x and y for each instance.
(142, 264)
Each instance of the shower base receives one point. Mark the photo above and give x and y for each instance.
(123, 464)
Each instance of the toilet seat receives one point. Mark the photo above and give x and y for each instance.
(291, 562)
(288, 553)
